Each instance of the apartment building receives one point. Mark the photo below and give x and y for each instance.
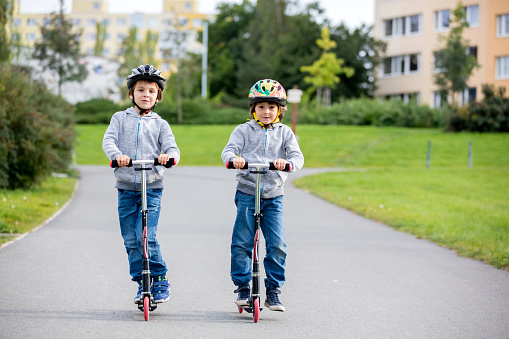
(176, 16)
(411, 29)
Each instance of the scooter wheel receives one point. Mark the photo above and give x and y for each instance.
(256, 310)
(146, 307)
(241, 310)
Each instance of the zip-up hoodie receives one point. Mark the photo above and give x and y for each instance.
(258, 145)
(140, 138)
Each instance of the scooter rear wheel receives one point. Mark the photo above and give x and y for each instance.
(256, 310)
(146, 307)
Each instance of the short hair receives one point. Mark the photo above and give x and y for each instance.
(159, 91)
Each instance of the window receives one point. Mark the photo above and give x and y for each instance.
(30, 36)
(97, 5)
(106, 22)
(120, 37)
(401, 65)
(91, 36)
(91, 22)
(503, 25)
(31, 22)
(188, 7)
(439, 99)
(76, 22)
(405, 97)
(472, 15)
(502, 68)
(46, 21)
(121, 22)
(16, 36)
(152, 22)
(442, 20)
(472, 50)
(407, 25)
(467, 96)
(16, 22)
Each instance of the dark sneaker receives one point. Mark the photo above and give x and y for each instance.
(272, 301)
(160, 289)
(244, 293)
(137, 299)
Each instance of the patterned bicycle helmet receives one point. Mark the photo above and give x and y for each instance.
(267, 90)
(146, 72)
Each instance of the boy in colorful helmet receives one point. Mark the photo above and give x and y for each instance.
(261, 140)
(139, 133)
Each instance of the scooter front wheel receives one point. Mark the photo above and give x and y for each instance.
(146, 307)
(256, 310)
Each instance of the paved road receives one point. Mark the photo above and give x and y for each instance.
(347, 276)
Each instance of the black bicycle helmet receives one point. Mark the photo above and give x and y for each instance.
(146, 72)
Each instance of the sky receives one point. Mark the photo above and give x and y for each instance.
(352, 12)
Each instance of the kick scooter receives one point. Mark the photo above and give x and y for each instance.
(146, 302)
(255, 301)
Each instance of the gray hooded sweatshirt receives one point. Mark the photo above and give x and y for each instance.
(140, 138)
(259, 145)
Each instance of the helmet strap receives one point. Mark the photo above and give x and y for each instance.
(142, 110)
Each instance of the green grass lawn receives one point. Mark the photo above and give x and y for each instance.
(461, 208)
(23, 210)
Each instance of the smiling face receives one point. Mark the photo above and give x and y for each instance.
(266, 112)
(145, 94)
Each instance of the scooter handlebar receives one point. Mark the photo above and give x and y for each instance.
(288, 167)
(155, 162)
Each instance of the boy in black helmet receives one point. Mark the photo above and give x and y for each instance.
(139, 133)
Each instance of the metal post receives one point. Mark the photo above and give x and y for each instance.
(204, 60)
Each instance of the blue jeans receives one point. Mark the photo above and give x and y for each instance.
(129, 214)
(243, 240)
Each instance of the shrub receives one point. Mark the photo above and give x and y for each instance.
(96, 111)
(36, 131)
(366, 111)
(489, 115)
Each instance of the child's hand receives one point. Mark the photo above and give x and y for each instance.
(239, 162)
(122, 160)
(280, 164)
(163, 158)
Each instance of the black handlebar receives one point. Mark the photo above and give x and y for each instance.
(288, 166)
(170, 163)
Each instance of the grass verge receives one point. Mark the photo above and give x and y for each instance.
(23, 210)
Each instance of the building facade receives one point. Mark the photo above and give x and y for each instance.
(177, 17)
(411, 29)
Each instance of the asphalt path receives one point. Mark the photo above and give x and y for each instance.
(347, 276)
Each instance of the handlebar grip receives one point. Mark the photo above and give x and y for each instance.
(288, 167)
(114, 163)
(170, 163)
(229, 165)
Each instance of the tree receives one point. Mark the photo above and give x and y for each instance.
(130, 58)
(147, 48)
(455, 64)
(324, 71)
(362, 52)
(100, 37)
(59, 50)
(6, 7)
(227, 35)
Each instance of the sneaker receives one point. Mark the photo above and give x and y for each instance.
(160, 289)
(244, 292)
(137, 299)
(272, 300)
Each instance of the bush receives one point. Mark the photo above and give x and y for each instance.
(374, 112)
(202, 112)
(96, 111)
(36, 131)
(489, 115)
